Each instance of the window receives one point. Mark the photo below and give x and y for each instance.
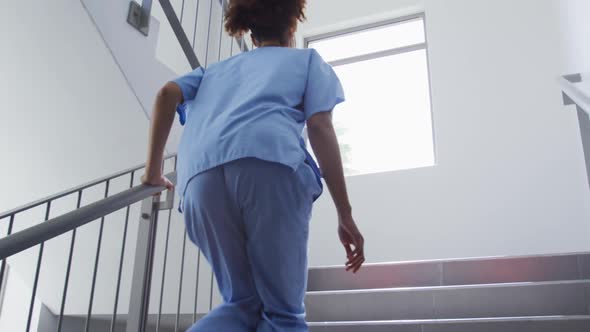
(386, 122)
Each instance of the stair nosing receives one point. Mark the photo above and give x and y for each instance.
(451, 260)
(455, 320)
(449, 287)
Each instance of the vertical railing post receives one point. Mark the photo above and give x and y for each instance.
(4, 265)
(37, 272)
(68, 270)
(142, 266)
(144, 261)
(161, 299)
(177, 323)
(3, 284)
(121, 260)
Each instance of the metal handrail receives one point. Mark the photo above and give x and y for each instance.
(75, 189)
(573, 92)
(52, 228)
(188, 49)
(176, 25)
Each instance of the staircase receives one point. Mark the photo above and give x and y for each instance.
(524, 294)
(520, 294)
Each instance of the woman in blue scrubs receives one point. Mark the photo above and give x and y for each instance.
(246, 181)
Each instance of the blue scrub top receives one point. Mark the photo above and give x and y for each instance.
(254, 104)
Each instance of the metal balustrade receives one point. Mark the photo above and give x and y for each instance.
(175, 19)
(152, 203)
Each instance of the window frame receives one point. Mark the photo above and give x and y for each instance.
(372, 26)
(307, 40)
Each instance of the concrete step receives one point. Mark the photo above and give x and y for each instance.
(448, 302)
(102, 323)
(453, 272)
(507, 324)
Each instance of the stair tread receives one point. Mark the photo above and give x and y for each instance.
(450, 272)
(450, 260)
(449, 287)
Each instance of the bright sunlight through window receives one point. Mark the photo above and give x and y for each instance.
(386, 122)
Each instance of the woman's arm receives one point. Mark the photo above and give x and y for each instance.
(168, 98)
(325, 146)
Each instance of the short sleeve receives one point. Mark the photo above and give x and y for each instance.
(324, 90)
(189, 85)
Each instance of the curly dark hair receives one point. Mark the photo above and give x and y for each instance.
(266, 19)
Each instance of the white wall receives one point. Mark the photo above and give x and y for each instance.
(510, 176)
(575, 29)
(67, 115)
(149, 62)
(140, 57)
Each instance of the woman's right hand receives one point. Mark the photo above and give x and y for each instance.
(353, 243)
(157, 180)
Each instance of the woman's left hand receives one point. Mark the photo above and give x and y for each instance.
(159, 180)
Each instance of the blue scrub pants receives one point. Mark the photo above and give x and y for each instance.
(250, 218)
